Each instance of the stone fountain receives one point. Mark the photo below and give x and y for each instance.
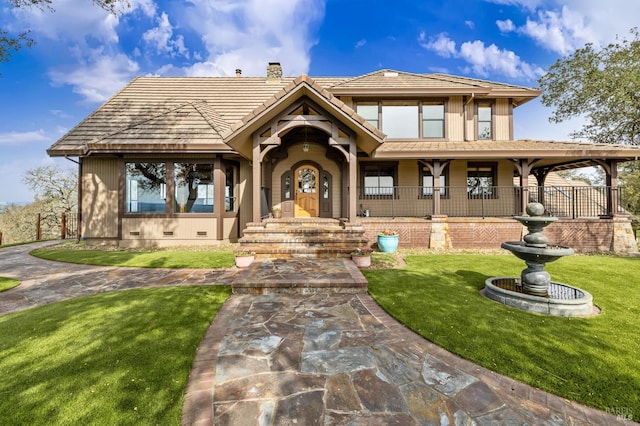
(533, 290)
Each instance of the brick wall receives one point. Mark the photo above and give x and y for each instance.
(474, 233)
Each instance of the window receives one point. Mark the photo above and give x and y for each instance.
(145, 187)
(433, 120)
(378, 179)
(369, 111)
(484, 121)
(408, 119)
(481, 179)
(400, 119)
(427, 182)
(193, 188)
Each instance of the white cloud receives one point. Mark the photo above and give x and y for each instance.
(441, 44)
(482, 59)
(562, 26)
(19, 138)
(248, 34)
(559, 31)
(98, 76)
(361, 43)
(505, 26)
(161, 37)
(470, 24)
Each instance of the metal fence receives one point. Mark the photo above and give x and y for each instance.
(497, 201)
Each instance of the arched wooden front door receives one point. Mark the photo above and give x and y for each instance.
(306, 194)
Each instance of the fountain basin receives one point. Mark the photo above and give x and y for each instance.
(563, 300)
(546, 254)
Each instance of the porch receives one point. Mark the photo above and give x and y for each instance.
(566, 202)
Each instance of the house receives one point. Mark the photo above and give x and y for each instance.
(176, 160)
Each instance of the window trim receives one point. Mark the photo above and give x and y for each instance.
(170, 188)
(379, 164)
(491, 105)
(419, 102)
(442, 102)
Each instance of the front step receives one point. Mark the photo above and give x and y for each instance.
(303, 237)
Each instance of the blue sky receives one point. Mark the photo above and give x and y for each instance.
(84, 55)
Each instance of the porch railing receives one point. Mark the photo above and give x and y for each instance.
(497, 201)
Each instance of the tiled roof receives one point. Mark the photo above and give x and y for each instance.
(503, 149)
(193, 111)
(386, 79)
(166, 101)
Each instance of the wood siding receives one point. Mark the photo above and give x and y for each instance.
(502, 125)
(455, 119)
(99, 198)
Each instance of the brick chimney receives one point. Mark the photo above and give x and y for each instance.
(274, 71)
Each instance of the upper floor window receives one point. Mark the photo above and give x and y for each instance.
(433, 120)
(405, 119)
(400, 119)
(485, 124)
(369, 111)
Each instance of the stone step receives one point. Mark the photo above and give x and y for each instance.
(302, 237)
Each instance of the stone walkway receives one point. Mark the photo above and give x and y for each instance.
(313, 359)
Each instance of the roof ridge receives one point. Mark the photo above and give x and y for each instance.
(211, 116)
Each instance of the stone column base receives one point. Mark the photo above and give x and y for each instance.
(439, 237)
(624, 240)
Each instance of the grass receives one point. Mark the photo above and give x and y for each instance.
(595, 361)
(114, 358)
(190, 259)
(8, 283)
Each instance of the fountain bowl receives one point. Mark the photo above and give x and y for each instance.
(563, 300)
(537, 254)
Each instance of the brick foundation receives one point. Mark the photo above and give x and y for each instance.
(582, 235)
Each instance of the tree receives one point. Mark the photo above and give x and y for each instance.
(56, 192)
(630, 181)
(603, 86)
(13, 43)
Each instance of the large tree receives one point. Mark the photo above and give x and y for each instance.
(602, 85)
(56, 192)
(10, 43)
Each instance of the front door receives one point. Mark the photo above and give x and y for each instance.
(306, 196)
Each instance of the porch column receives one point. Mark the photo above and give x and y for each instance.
(256, 180)
(612, 187)
(353, 193)
(524, 167)
(219, 178)
(436, 167)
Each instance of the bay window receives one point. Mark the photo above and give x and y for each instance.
(145, 187)
(193, 183)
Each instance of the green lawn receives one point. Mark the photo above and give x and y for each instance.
(8, 283)
(190, 259)
(114, 358)
(595, 361)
